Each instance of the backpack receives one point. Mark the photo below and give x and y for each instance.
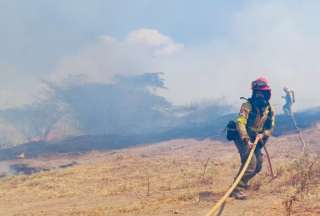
(231, 131)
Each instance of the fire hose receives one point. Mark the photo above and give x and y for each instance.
(269, 162)
(236, 182)
(304, 145)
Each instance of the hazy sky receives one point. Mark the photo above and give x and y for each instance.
(206, 49)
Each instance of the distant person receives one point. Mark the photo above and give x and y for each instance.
(289, 100)
(256, 118)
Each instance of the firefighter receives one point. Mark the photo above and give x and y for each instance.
(290, 99)
(256, 119)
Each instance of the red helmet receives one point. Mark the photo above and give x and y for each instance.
(261, 84)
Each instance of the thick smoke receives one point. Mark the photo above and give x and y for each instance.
(125, 106)
(129, 105)
(277, 39)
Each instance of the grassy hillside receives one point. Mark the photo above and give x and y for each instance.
(169, 178)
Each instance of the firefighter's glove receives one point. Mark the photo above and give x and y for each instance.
(260, 137)
(248, 143)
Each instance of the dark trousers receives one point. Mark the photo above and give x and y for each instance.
(255, 164)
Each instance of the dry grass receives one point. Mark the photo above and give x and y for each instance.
(163, 179)
(303, 179)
